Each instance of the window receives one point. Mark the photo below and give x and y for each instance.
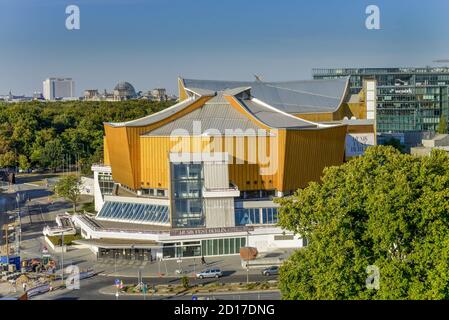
(106, 183)
(226, 246)
(248, 216)
(186, 185)
(220, 246)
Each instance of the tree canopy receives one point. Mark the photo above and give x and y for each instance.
(44, 134)
(442, 125)
(69, 187)
(384, 209)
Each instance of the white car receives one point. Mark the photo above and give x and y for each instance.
(210, 273)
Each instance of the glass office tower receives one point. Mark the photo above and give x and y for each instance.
(409, 99)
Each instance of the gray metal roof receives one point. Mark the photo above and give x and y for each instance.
(216, 114)
(274, 118)
(156, 117)
(292, 96)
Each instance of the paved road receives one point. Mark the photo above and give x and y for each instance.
(90, 290)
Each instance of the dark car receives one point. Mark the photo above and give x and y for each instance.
(270, 271)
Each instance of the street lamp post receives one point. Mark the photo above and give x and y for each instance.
(247, 257)
(62, 256)
(19, 235)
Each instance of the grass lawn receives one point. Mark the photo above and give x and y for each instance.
(56, 240)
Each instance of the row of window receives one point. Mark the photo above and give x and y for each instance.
(209, 247)
(248, 216)
(216, 247)
(106, 183)
(187, 185)
(153, 192)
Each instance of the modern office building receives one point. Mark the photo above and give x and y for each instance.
(58, 88)
(200, 177)
(409, 100)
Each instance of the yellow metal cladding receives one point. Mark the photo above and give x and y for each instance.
(119, 154)
(123, 145)
(343, 111)
(181, 90)
(308, 152)
(105, 152)
(302, 155)
(244, 167)
(369, 128)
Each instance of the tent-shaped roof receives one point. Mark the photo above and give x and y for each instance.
(295, 97)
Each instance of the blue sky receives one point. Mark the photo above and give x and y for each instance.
(149, 43)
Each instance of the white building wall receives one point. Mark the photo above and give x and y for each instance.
(58, 88)
(264, 239)
(87, 186)
(216, 175)
(219, 212)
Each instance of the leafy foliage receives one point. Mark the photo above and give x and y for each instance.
(385, 209)
(185, 282)
(442, 125)
(69, 188)
(48, 133)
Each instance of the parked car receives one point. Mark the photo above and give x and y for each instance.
(210, 273)
(270, 271)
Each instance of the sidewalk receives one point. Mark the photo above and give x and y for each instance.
(167, 268)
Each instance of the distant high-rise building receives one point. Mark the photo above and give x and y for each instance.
(58, 88)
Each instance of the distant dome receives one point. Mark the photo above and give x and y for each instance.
(125, 86)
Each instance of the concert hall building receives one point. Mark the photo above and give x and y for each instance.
(200, 178)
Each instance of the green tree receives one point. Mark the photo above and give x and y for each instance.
(30, 129)
(69, 187)
(442, 125)
(52, 154)
(185, 282)
(385, 209)
(7, 159)
(24, 164)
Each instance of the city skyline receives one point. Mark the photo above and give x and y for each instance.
(150, 43)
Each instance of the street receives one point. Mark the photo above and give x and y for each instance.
(90, 289)
(37, 211)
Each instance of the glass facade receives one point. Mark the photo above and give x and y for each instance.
(187, 184)
(106, 183)
(248, 216)
(126, 254)
(408, 99)
(199, 248)
(224, 246)
(134, 213)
